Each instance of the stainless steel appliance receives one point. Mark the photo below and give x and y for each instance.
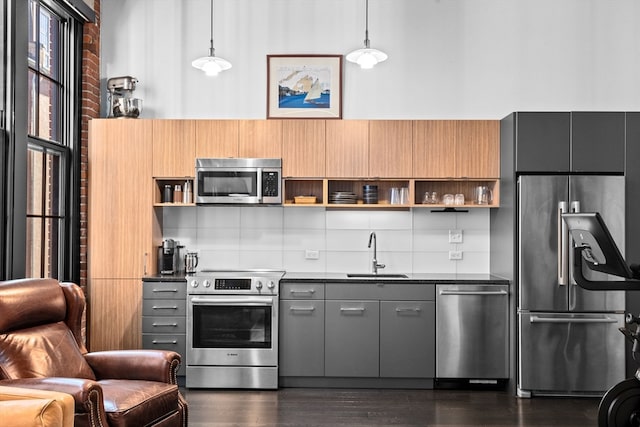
(169, 257)
(121, 100)
(476, 321)
(568, 339)
(232, 329)
(238, 181)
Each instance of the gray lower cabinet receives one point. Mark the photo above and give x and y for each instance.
(164, 310)
(301, 351)
(407, 339)
(352, 338)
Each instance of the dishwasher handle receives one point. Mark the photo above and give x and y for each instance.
(542, 319)
(462, 292)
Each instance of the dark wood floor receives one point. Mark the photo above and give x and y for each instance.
(303, 407)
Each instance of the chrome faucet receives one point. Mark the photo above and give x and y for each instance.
(374, 263)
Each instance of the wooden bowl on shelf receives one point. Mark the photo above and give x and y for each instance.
(305, 200)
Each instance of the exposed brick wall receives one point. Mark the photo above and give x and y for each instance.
(90, 109)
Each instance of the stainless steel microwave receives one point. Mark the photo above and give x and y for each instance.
(238, 181)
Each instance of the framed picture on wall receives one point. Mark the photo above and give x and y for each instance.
(304, 86)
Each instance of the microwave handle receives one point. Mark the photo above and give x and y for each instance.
(259, 184)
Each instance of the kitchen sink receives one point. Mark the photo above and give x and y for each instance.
(373, 276)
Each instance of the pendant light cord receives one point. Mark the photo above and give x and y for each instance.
(211, 49)
(366, 24)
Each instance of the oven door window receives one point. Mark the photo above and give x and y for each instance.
(220, 326)
(227, 183)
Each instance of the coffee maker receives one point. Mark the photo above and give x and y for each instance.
(168, 257)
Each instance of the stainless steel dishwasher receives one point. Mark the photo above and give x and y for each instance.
(472, 335)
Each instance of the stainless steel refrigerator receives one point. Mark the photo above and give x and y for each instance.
(568, 338)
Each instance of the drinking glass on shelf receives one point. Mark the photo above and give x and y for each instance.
(459, 199)
(447, 199)
(395, 196)
(404, 195)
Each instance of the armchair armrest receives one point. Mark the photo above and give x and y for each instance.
(151, 365)
(87, 394)
(22, 406)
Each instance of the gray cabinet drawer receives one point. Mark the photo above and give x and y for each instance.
(164, 324)
(302, 291)
(164, 290)
(172, 342)
(380, 291)
(163, 307)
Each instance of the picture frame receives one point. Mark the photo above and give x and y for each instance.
(304, 86)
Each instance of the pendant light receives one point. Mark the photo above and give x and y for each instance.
(366, 57)
(211, 65)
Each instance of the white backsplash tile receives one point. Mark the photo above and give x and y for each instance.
(411, 241)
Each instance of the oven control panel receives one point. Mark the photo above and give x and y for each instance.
(232, 284)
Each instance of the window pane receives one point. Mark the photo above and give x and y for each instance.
(49, 35)
(49, 108)
(35, 184)
(32, 103)
(43, 247)
(33, 35)
(34, 247)
(53, 179)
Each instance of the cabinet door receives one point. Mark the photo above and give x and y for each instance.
(301, 338)
(260, 138)
(173, 148)
(303, 148)
(597, 141)
(434, 154)
(114, 314)
(216, 138)
(122, 226)
(407, 339)
(352, 339)
(542, 142)
(347, 148)
(390, 148)
(478, 149)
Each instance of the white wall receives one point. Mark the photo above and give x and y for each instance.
(447, 58)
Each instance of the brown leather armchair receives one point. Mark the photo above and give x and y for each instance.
(41, 347)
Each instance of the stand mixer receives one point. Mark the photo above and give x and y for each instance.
(121, 100)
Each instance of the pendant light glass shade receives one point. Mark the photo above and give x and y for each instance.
(366, 57)
(211, 65)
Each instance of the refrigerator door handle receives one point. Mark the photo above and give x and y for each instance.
(563, 246)
(541, 319)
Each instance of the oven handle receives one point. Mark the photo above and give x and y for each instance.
(232, 301)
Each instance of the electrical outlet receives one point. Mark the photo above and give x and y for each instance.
(455, 254)
(455, 236)
(310, 254)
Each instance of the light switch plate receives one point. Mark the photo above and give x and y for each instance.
(455, 254)
(311, 254)
(455, 236)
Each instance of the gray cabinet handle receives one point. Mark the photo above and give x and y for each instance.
(159, 307)
(407, 309)
(164, 342)
(305, 291)
(352, 309)
(302, 308)
(165, 290)
(175, 325)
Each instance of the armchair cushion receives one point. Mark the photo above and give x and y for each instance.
(128, 402)
(27, 353)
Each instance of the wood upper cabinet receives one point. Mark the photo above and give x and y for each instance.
(433, 148)
(173, 148)
(216, 138)
(478, 149)
(390, 148)
(260, 138)
(122, 225)
(303, 148)
(347, 148)
(456, 149)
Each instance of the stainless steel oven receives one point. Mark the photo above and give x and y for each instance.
(232, 329)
